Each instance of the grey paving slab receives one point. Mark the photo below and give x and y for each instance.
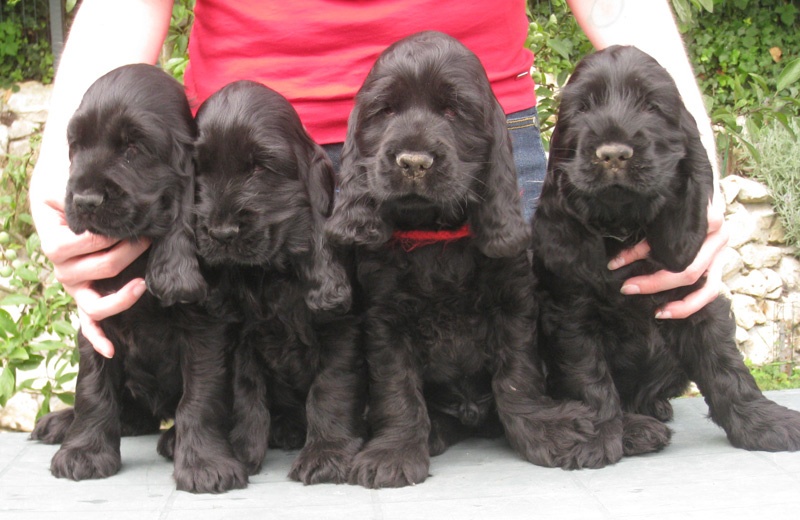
(699, 476)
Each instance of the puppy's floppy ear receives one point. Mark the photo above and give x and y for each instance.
(173, 271)
(678, 231)
(497, 221)
(330, 288)
(355, 219)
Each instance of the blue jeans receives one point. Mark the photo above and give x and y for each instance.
(528, 156)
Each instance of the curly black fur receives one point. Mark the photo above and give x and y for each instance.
(449, 327)
(131, 176)
(627, 164)
(265, 190)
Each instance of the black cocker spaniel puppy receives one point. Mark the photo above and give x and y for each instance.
(132, 176)
(265, 190)
(626, 164)
(429, 201)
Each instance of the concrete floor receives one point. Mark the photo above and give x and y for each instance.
(700, 475)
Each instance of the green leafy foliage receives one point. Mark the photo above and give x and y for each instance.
(558, 43)
(174, 53)
(778, 167)
(746, 57)
(775, 376)
(24, 43)
(36, 314)
(684, 9)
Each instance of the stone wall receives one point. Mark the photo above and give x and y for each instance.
(22, 115)
(761, 274)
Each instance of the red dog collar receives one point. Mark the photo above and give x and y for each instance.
(410, 240)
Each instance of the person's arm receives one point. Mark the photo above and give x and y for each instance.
(650, 26)
(104, 35)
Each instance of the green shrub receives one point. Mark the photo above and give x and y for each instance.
(36, 314)
(174, 54)
(741, 39)
(775, 376)
(779, 168)
(24, 43)
(746, 54)
(558, 43)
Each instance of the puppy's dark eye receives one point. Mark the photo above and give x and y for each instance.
(387, 111)
(581, 107)
(651, 106)
(128, 143)
(131, 151)
(578, 103)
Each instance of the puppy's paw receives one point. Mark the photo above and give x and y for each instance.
(764, 425)
(661, 409)
(596, 450)
(52, 428)
(445, 431)
(250, 451)
(85, 462)
(166, 444)
(566, 436)
(210, 475)
(325, 461)
(380, 467)
(437, 441)
(644, 434)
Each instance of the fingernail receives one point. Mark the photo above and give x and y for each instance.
(663, 315)
(616, 263)
(630, 289)
(140, 288)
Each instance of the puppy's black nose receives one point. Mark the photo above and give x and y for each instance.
(224, 232)
(414, 164)
(614, 156)
(88, 201)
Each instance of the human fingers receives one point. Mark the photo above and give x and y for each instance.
(99, 265)
(98, 307)
(63, 245)
(696, 300)
(664, 280)
(716, 220)
(716, 212)
(58, 241)
(630, 255)
(94, 334)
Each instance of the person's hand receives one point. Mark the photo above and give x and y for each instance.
(708, 262)
(78, 260)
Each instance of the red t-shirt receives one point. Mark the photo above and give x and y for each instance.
(318, 52)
